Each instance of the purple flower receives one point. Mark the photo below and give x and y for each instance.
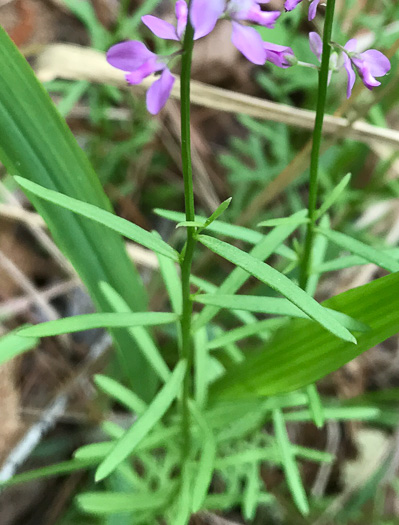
(291, 4)
(138, 62)
(370, 64)
(205, 13)
(278, 55)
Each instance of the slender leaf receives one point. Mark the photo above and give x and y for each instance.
(120, 393)
(290, 467)
(78, 323)
(272, 306)
(207, 459)
(267, 246)
(144, 341)
(302, 352)
(280, 283)
(372, 255)
(333, 196)
(232, 336)
(315, 406)
(107, 503)
(271, 223)
(12, 344)
(217, 213)
(139, 430)
(59, 469)
(107, 219)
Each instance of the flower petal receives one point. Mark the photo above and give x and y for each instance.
(204, 14)
(129, 56)
(159, 27)
(351, 75)
(289, 5)
(149, 67)
(316, 44)
(159, 92)
(181, 16)
(378, 63)
(351, 45)
(277, 54)
(313, 9)
(249, 42)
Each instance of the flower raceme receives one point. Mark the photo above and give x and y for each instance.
(369, 64)
(138, 62)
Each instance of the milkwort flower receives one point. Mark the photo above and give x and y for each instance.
(289, 5)
(369, 64)
(139, 62)
(205, 13)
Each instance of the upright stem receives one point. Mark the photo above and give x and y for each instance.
(317, 137)
(187, 255)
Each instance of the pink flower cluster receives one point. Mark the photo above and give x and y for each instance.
(138, 62)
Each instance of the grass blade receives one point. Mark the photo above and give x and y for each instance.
(302, 352)
(37, 144)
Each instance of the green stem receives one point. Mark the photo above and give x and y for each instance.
(188, 252)
(317, 137)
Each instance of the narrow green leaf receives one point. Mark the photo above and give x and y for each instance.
(271, 223)
(280, 283)
(320, 245)
(12, 344)
(203, 285)
(201, 369)
(372, 255)
(251, 492)
(140, 429)
(231, 230)
(232, 336)
(60, 469)
(190, 224)
(222, 228)
(315, 406)
(340, 263)
(272, 306)
(217, 213)
(78, 323)
(120, 393)
(144, 341)
(107, 219)
(172, 282)
(289, 464)
(268, 244)
(333, 197)
(207, 459)
(108, 503)
(302, 352)
(337, 413)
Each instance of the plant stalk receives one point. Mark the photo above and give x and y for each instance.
(188, 252)
(317, 137)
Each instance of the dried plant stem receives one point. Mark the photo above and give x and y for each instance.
(317, 138)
